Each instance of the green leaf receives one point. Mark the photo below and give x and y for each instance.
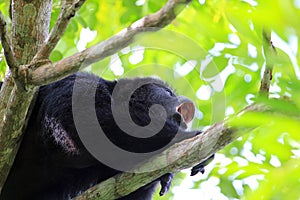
(56, 56)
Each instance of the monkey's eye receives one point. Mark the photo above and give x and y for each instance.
(170, 92)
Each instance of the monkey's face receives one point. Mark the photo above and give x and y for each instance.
(145, 99)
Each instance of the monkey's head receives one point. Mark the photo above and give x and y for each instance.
(149, 113)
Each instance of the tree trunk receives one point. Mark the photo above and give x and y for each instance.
(30, 27)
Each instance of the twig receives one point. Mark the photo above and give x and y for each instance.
(269, 50)
(6, 44)
(68, 10)
(8, 52)
(51, 72)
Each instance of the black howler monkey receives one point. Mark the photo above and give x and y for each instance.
(53, 163)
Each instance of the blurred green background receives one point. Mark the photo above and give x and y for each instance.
(212, 53)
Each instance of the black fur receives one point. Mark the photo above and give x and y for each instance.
(52, 162)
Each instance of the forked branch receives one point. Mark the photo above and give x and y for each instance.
(68, 10)
(49, 72)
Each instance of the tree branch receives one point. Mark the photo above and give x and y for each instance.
(269, 51)
(185, 154)
(68, 10)
(49, 72)
(6, 44)
(11, 62)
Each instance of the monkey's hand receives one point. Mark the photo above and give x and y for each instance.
(165, 182)
(200, 167)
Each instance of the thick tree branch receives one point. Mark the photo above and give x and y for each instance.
(68, 10)
(52, 72)
(185, 154)
(269, 51)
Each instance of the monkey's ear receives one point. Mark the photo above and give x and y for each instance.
(187, 111)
